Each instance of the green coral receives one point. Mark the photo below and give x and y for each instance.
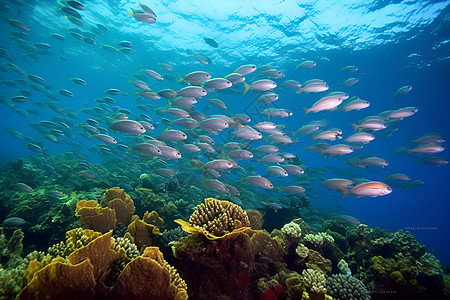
(292, 230)
(11, 250)
(346, 287)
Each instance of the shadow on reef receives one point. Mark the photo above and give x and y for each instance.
(221, 252)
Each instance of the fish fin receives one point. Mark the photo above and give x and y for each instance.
(130, 13)
(89, 135)
(247, 87)
(297, 67)
(345, 192)
(299, 90)
(314, 137)
(279, 189)
(355, 127)
(306, 111)
(304, 148)
(410, 151)
(180, 79)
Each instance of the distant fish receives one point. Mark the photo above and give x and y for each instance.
(78, 81)
(125, 44)
(18, 24)
(142, 16)
(75, 4)
(211, 42)
(308, 64)
(13, 221)
(23, 187)
(336, 183)
(293, 189)
(348, 220)
(350, 81)
(402, 91)
(259, 182)
(260, 85)
(128, 126)
(245, 69)
(398, 177)
(166, 66)
(349, 69)
(313, 86)
(437, 161)
(197, 76)
(430, 148)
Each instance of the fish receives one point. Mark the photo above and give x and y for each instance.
(313, 86)
(348, 220)
(13, 222)
(211, 42)
(142, 16)
(325, 103)
(128, 126)
(192, 91)
(277, 171)
(153, 74)
(23, 187)
(429, 148)
(356, 105)
(166, 66)
(370, 189)
(125, 44)
(148, 149)
(217, 103)
(172, 135)
(218, 83)
(293, 169)
(398, 177)
(336, 183)
(434, 160)
(260, 85)
(293, 189)
(349, 82)
(402, 91)
(78, 81)
(349, 69)
(360, 137)
(197, 76)
(75, 4)
(375, 161)
(18, 24)
(245, 69)
(307, 64)
(259, 182)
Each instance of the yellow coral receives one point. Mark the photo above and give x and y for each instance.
(215, 219)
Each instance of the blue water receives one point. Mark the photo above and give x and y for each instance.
(393, 43)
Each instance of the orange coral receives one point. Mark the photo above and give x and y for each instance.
(82, 275)
(134, 283)
(143, 234)
(153, 218)
(123, 205)
(95, 217)
(255, 218)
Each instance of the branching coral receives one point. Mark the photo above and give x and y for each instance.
(292, 230)
(216, 218)
(75, 239)
(314, 281)
(346, 287)
(318, 240)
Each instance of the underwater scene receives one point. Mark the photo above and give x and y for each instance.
(230, 150)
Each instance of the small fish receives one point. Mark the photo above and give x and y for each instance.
(13, 221)
(371, 189)
(218, 83)
(293, 189)
(259, 182)
(348, 220)
(245, 69)
(426, 149)
(350, 81)
(105, 138)
(148, 149)
(78, 81)
(75, 4)
(375, 161)
(211, 42)
(336, 183)
(313, 86)
(308, 64)
(125, 44)
(197, 76)
(128, 126)
(293, 169)
(65, 92)
(356, 105)
(166, 66)
(172, 135)
(277, 171)
(113, 92)
(437, 161)
(325, 103)
(23, 187)
(260, 85)
(402, 91)
(398, 177)
(18, 24)
(360, 137)
(142, 16)
(153, 74)
(349, 69)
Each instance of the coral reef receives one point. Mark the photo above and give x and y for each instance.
(216, 218)
(86, 273)
(314, 281)
(95, 217)
(346, 287)
(292, 230)
(116, 199)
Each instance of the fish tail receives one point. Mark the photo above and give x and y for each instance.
(355, 127)
(307, 110)
(314, 137)
(180, 79)
(279, 189)
(345, 192)
(297, 67)
(410, 151)
(299, 90)
(247, 87)
(130, 13)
